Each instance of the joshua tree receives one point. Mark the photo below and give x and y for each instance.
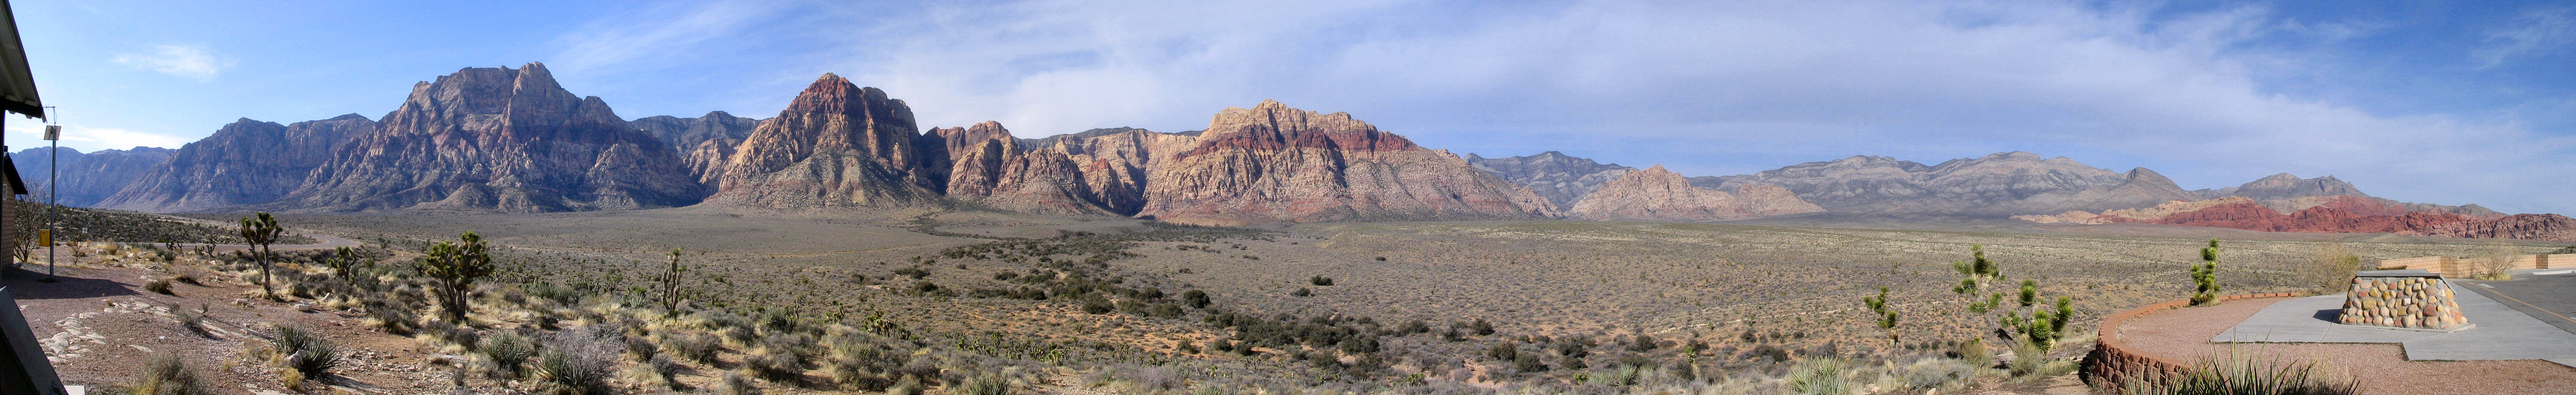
(259, 233)
(342, 259)
(1886, 316)
(1975, 275)
(670, 282)
(2204, 276)
(456, 266)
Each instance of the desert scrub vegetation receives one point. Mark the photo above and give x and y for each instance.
(88, 224)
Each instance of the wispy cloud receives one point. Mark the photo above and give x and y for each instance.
(660, 30)
(2537, 31)
(186, 61)
(26, 133)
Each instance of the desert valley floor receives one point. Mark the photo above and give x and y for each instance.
(1745, 297)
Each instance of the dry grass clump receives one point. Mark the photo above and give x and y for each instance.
(169, 375)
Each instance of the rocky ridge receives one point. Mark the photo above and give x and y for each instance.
(246, 162)
(2011, 183)
(1657, 194)
(1560, 178)
(87, 178)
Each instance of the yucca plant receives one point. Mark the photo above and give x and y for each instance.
(2239, 373)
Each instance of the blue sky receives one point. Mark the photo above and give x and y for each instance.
(2441, 102)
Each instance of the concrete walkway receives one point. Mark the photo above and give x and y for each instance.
(2502, 333)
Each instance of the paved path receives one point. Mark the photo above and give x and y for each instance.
(2548, 297)
(2502, 333)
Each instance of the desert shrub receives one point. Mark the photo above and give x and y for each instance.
(169, 375)
(1165, 310)
(555, 292)
(161, 286)
(579, 362)
(694, 346)
(508, 351)
(2495, 263)
(1197, 299)
(1933, 373)
(641, 348)
(2332, 268)
(1482, 328)
(985, 384)
(2027, 359)
(194, 321)
(2247, 374)
(1096, 305)
(735, 384)
(191, 280)
(1321, 281)
(1302, 292)
(1528, 362)
(305, 352)
(1818, 377)
(398, 322)
(908, 386)
(775, 365)
(1973, 352)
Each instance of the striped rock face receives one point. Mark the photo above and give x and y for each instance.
(2402, 302)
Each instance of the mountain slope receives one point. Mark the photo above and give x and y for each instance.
(836, 145)
(498, 139)
(1273, 163)
(1994, 185)
(1560, 178)
(1656, 194)
(87, 178)
(246, 162)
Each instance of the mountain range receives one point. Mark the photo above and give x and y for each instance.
(512, 140)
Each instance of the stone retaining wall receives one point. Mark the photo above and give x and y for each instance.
(2458, 267)
(2112, 363)
(2402, 302)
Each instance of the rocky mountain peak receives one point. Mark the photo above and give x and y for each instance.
(2286, 185)
(1274, 163)
(500, 139)
(836, 145)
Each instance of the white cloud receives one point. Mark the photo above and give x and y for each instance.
(1702, 85)
(2536, 31)
(186, 61)
(26, 133)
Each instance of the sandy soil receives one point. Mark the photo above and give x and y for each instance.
(99, 326)
(2184, 334)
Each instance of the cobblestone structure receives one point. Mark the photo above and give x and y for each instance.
(2412, 299)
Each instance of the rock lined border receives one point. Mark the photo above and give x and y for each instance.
(2112, 363)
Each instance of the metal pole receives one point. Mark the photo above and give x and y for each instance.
(53, 191)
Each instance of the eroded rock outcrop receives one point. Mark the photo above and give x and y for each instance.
(498, 139)
(1657, 194)
(246, 162)
(1273, 163)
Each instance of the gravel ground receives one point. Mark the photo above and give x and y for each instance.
(2183, 334)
